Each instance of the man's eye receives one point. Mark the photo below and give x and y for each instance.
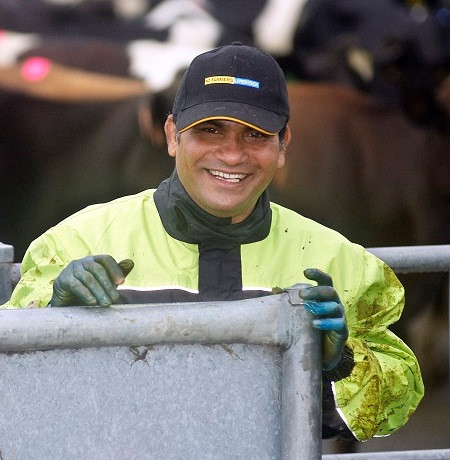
(257, 135)
(208, 129)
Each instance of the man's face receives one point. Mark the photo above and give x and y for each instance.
(224, 165)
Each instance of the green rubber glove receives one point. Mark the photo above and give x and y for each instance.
(92, 280)
(323, 301)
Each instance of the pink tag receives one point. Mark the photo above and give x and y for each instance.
(35, 69)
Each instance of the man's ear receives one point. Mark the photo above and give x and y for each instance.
(283, 147)
(171, 136)
(287, 138)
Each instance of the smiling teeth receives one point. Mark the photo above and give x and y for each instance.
(228, 177)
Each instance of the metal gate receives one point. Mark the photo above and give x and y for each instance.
(163, 381)
(212, 380)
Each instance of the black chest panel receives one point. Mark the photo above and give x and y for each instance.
(220, 272)
(220, 278)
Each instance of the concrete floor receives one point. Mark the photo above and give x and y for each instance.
(428, 428)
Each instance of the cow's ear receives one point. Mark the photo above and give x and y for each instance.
(171, 136)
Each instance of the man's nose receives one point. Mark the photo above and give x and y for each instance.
(233, 151)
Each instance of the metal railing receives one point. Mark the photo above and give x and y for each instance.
(7, 279)
(415, 259)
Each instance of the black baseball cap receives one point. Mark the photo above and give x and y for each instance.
(233, 82)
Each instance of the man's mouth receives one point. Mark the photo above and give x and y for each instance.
(227, 176)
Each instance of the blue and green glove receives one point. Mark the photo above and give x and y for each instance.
(324, 303)
(92, 280)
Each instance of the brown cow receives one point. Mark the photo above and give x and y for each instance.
(361, 167)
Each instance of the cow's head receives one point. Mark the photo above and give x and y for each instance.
(398, 53)
(409, 68)
(416, 82)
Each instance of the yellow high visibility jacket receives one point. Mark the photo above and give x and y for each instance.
(385, 385)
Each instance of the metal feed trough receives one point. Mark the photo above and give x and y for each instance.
(214, 380)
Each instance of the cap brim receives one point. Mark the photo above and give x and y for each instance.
(256, 117)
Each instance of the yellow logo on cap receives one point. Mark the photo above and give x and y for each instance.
(232, 81)
(219, 79)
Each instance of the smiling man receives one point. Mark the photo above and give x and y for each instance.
(225, 166)
(224, 132)
(210, 232)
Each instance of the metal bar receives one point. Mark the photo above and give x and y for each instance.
(6, 259)
(434, 454)
(415, 259)
(260, 321)
(301, 388)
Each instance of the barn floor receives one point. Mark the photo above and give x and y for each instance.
(428, 428)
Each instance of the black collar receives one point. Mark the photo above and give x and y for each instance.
(185, 221)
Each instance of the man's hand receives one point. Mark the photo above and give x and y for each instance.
(323, 301)
(92, 280)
